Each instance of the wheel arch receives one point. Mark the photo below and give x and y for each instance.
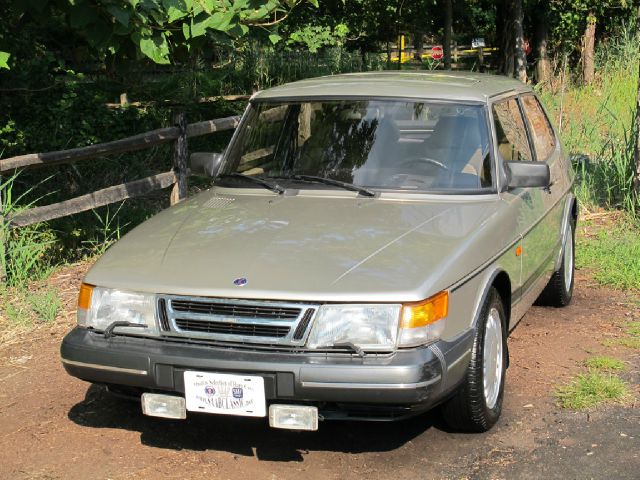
(570, 216)
(500, 280)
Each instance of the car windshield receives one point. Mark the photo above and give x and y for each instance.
(374, 144)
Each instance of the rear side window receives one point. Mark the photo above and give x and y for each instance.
(541, 132)
(511, 134)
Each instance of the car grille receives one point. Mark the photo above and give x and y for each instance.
(231, 328)
(246, 321)
(234, 310)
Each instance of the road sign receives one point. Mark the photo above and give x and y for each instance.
(436, 52)
(477, 42)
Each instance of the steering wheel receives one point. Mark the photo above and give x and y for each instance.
(415, 161)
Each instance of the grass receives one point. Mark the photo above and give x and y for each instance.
(630, 340)
(598, 120)
(613, 255)
(24, 254)
(633, 329)
(592, 389)
(604, 363)
(26, 308)
(45, 305)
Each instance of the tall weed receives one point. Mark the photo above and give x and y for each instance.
(23, 251)
(108, 231)
(599, 120)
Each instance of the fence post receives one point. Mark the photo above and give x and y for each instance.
(4, 230)
(481, 59)
(180, 154)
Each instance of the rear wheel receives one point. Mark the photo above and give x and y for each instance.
(477, 405)
(559, 290)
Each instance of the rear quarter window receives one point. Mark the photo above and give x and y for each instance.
(511, 134)
(541, 132)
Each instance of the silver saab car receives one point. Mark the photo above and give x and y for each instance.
(367, 244)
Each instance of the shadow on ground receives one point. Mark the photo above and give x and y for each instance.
(241, 436)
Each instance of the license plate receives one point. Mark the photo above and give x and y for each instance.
(226, 394)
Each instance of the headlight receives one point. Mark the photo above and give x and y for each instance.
(369, 327)
(99, 307)
(424, 322)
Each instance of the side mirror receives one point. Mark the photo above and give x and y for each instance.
(527, 174)
(205, 164)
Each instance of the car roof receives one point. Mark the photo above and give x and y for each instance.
(461, 86)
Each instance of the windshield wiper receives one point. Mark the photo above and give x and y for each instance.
(274, 187)
(329, 181)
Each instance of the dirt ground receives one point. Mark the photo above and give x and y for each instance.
(55, 426)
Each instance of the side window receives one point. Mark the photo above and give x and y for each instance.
(541, 132)
(511, 134)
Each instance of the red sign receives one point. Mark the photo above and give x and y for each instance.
(436, 52)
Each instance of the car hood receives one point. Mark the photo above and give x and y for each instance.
(323, 247)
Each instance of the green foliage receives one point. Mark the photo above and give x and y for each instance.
(23, 252)
(165, 31)
(4, 59)
(598, 120)
(570, 18)
(590, 390)
(317, 37)
(613, 254)
(604, 363)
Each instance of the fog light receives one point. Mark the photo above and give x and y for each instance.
(293, 417)
(165, 406)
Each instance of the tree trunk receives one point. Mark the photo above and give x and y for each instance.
(636, 180)
(588, 48)
(520, 59)
(507, 46)
(388, 55)
(418, 44)
(448, 27)
(543, 64)
(498, 59)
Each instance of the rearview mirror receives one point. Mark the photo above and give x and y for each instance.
(527, 174)
(205, 164)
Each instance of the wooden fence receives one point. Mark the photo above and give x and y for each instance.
(179, 133)
(177, 176)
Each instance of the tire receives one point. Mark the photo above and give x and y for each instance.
(559, 290)
(477, 404)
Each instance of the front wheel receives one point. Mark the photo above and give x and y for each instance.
(477, 405)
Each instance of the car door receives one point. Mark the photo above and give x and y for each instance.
(547, 149)
(514, 143)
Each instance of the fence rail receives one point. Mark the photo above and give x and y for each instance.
(178, 134)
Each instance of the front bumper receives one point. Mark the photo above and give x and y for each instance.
(409, 380)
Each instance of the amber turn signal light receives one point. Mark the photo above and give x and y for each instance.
(84, 298)
(426, 312)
